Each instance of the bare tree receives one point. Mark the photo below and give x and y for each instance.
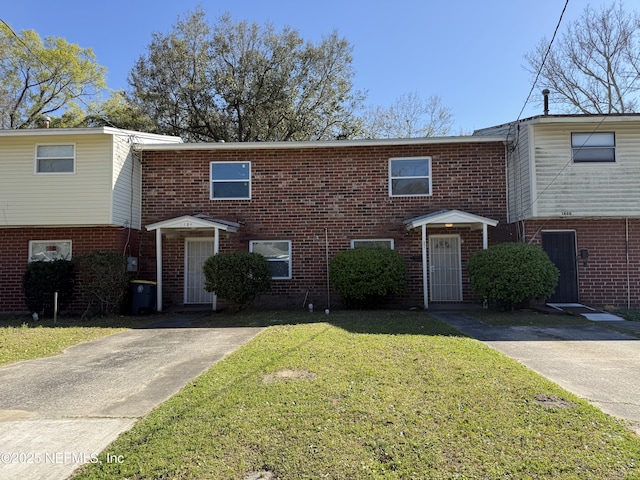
(409, 116)
(594, 67)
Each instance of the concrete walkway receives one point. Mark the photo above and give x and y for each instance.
(594, 362)
(58, 413)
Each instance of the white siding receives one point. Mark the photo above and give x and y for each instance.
(567, 189)
(126, 184)
(82, 198)
(519, 176)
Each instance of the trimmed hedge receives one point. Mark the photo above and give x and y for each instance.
(367, 276)
(237, 276)
(510, 274)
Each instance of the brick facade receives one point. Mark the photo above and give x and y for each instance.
(84, 240)
(611, 273)
(318, 195)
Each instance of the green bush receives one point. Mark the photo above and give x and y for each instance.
(510, 274)
(104, 279)
(42, 279)
(237, 276)
(367, 276)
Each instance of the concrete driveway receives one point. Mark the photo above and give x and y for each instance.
(594, 362)
(58, 413)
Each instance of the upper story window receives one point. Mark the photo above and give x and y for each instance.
(409, 177)
(278, 255)
(230, 180)
(373, 243)
(49, 250)
(593, 147)
(55, 159)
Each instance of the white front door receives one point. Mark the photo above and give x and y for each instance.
(196, 252)
(445, 268)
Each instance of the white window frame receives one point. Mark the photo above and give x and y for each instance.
(41, 255)
(36, 166)
(406, 177)
(228, 180)
(288, 260)
(384, 242)
(592, 143)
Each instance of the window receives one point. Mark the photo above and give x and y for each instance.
(277, 253)
(374, 243)
(55, 159)
(230, 180)
(593, 147)
(49, 250)
(409, 177)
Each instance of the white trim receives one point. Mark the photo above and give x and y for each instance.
(328, 143)
(390, 240)
(57, 144)
(289, 260)
(212, 181)
(31, 242)
(429, 176)
(458, 267)
(187, 241)
(455, 217)
(194, 222)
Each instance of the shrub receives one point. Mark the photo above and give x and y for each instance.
(42, 279)
(366, 276)
(237, 276)
(104, 278)
(510, 274)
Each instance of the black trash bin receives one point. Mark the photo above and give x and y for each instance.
(143, 297)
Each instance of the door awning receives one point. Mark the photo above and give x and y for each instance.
(450, 218)
(193, 222)
(446, 219)
(186, 222)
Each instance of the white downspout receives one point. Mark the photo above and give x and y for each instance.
(159, 270)
(216, 245)
(485, 237)
(425, 283)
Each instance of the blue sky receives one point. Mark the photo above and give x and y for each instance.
(468, 52)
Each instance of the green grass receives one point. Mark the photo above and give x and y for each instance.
(632, 314)
(370, 395)
(22, 338)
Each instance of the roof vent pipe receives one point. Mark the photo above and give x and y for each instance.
(545, 94)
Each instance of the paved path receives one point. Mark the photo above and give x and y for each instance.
(594, 362)
(59, 412)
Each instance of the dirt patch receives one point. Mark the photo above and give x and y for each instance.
(553, 401)
(288, 375)
(261, 475)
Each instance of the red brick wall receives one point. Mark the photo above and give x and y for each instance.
(603, 279)
(298, 193)
(15, 242)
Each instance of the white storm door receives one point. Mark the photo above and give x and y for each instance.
(196, 252)
(445, 268)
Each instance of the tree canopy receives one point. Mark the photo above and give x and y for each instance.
(39, 77)
(594, 67)
(238, 81)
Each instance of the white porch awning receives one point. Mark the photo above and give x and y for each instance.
(186, 222)
(194, 221)
(446, 219)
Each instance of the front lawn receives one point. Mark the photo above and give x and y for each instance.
(22, 338)
(369, 395)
